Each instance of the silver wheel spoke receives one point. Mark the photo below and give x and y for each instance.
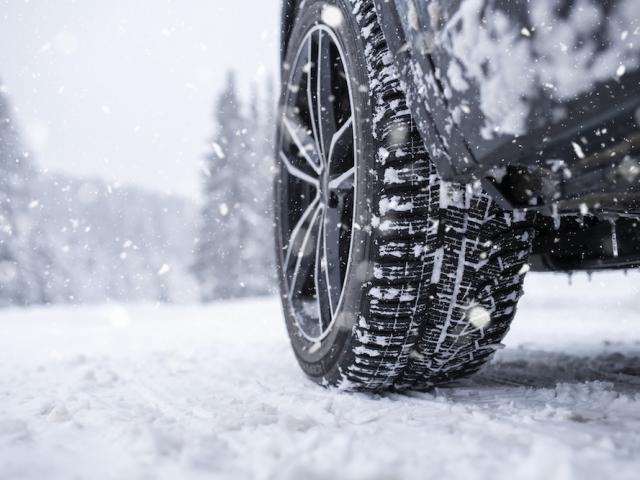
(305, 143)
(311, 93)
(296, 172)
(339, 136)
(344, 181)
(330, 251)
(305, 252)
(324, 96)
(298, 232)
(322, 280)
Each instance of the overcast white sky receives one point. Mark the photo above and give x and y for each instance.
(124, 89)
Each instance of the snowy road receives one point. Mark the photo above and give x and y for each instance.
(185, 392)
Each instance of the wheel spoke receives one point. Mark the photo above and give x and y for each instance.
(301, 251)
(331, 251)
(346, 181)
(322, 285)
(296, 172)
(312, 79)
(342, 139)
(304, 142)
(297, 234)
(324, 94)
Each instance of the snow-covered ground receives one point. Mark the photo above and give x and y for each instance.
(188, 392)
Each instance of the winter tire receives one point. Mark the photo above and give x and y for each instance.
(390, 277)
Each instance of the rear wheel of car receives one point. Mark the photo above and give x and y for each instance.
(390, 277)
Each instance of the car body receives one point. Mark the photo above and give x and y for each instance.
(540, 102)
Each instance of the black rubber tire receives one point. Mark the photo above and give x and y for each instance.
(430, 254)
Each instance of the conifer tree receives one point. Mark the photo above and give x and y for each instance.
(234, 256)
(217, 260)
(20, 283)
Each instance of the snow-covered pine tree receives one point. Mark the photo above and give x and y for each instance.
(234, 256)
(257, 204)
(218, 265)
(21, 280)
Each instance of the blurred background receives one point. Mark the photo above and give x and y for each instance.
(135, 149)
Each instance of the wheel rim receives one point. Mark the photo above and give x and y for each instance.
(317, 153)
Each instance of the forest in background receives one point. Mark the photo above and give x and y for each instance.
(78, 240)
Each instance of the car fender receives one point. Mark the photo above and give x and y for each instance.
(503, 80)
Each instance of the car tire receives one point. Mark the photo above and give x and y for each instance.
(400, 280)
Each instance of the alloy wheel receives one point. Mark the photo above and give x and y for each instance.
(317, 153)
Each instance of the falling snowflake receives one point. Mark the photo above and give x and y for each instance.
(578, 149)
(332, 16)
(479, 317)
(217, 149)
(164, 270)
